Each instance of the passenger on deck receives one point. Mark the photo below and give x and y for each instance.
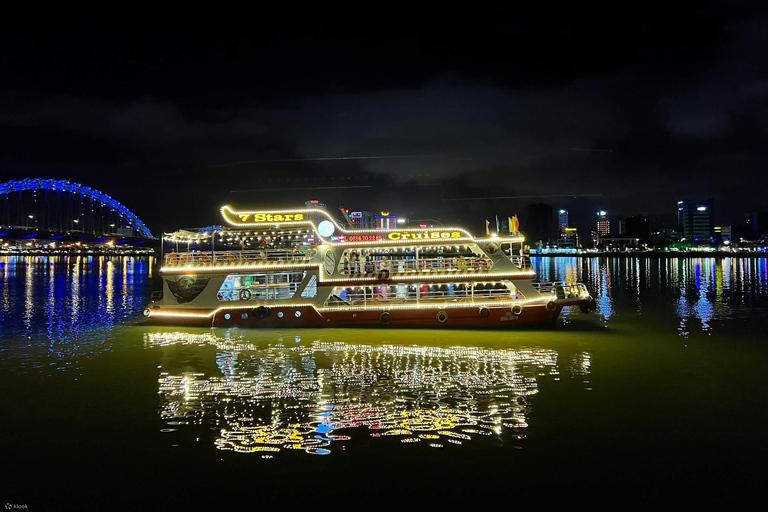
(384, 268)
(345, 263)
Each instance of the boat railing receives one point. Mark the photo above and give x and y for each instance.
(176, 259)
(420, 297)
(411, 265)
(522, 262)
(562, 290)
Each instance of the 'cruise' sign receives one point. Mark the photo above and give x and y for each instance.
(424, 235)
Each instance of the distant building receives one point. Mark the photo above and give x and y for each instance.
(385, 221)
(569, 238)
(697, 219)
(562, 220)
(540, 223)
(723, 234)
(622, 227)
(758, 221)
(637, 226)
(603, 223)
(362, 220)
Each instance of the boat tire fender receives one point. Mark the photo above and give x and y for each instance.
(517, 310)
(385, 318)
(485, 312)
(551, 306)
(261, 312)
(592, 303)
(584, 306)
(441, 316)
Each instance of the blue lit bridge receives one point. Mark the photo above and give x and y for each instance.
(48, 209)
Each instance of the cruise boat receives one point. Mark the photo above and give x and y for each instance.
(302, 268)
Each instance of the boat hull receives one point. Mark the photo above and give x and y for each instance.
(425, 316)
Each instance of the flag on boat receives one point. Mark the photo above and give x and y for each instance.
(487, 227)
(514, 225)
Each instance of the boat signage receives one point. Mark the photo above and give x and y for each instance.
(423, 235)
(270, 217)
(364, 238)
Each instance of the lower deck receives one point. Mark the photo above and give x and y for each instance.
(445, 315)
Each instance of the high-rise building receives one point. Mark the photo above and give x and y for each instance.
(758, 222)
(539, 225)
(562, 220)
(603, 223)
(697, 219)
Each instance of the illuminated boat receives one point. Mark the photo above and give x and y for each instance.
(302, 268)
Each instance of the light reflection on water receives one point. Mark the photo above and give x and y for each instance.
(315, 397)
(55, 309)
(693, 289)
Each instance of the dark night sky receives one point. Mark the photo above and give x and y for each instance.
(643, 105)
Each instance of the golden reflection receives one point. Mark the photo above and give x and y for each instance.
(29, 292)
(315, 397)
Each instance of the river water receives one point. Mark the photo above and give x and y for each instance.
(659, 397)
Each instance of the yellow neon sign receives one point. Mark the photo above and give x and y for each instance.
(424, 235)
(270, 217)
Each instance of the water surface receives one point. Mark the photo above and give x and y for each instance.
(659, 395)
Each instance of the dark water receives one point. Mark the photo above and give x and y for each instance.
(658, 399)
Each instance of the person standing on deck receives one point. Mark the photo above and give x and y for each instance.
(384, 268)
(345, 263)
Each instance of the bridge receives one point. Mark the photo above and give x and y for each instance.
(58, 211)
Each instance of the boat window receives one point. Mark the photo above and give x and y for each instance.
(311, 289)
(260, 286)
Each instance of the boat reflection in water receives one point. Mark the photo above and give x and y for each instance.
(316, 397)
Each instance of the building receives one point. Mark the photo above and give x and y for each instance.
(540, 224)
(562, 221)
(758, 222)
(362, 220)
(723, 234)
(697, 219)
(385, 221)
(569, 238)
(637, 226)
(603, 223)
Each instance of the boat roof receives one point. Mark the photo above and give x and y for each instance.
(330, 232)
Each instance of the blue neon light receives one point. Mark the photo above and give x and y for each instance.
(76, 188)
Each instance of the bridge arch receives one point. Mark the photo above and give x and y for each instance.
(77, 189)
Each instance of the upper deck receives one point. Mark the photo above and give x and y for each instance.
(306, 238)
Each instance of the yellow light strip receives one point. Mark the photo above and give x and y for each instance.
(226, 209)
(354, 308)
(323, 279)
(426, 278)
(190, 268)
